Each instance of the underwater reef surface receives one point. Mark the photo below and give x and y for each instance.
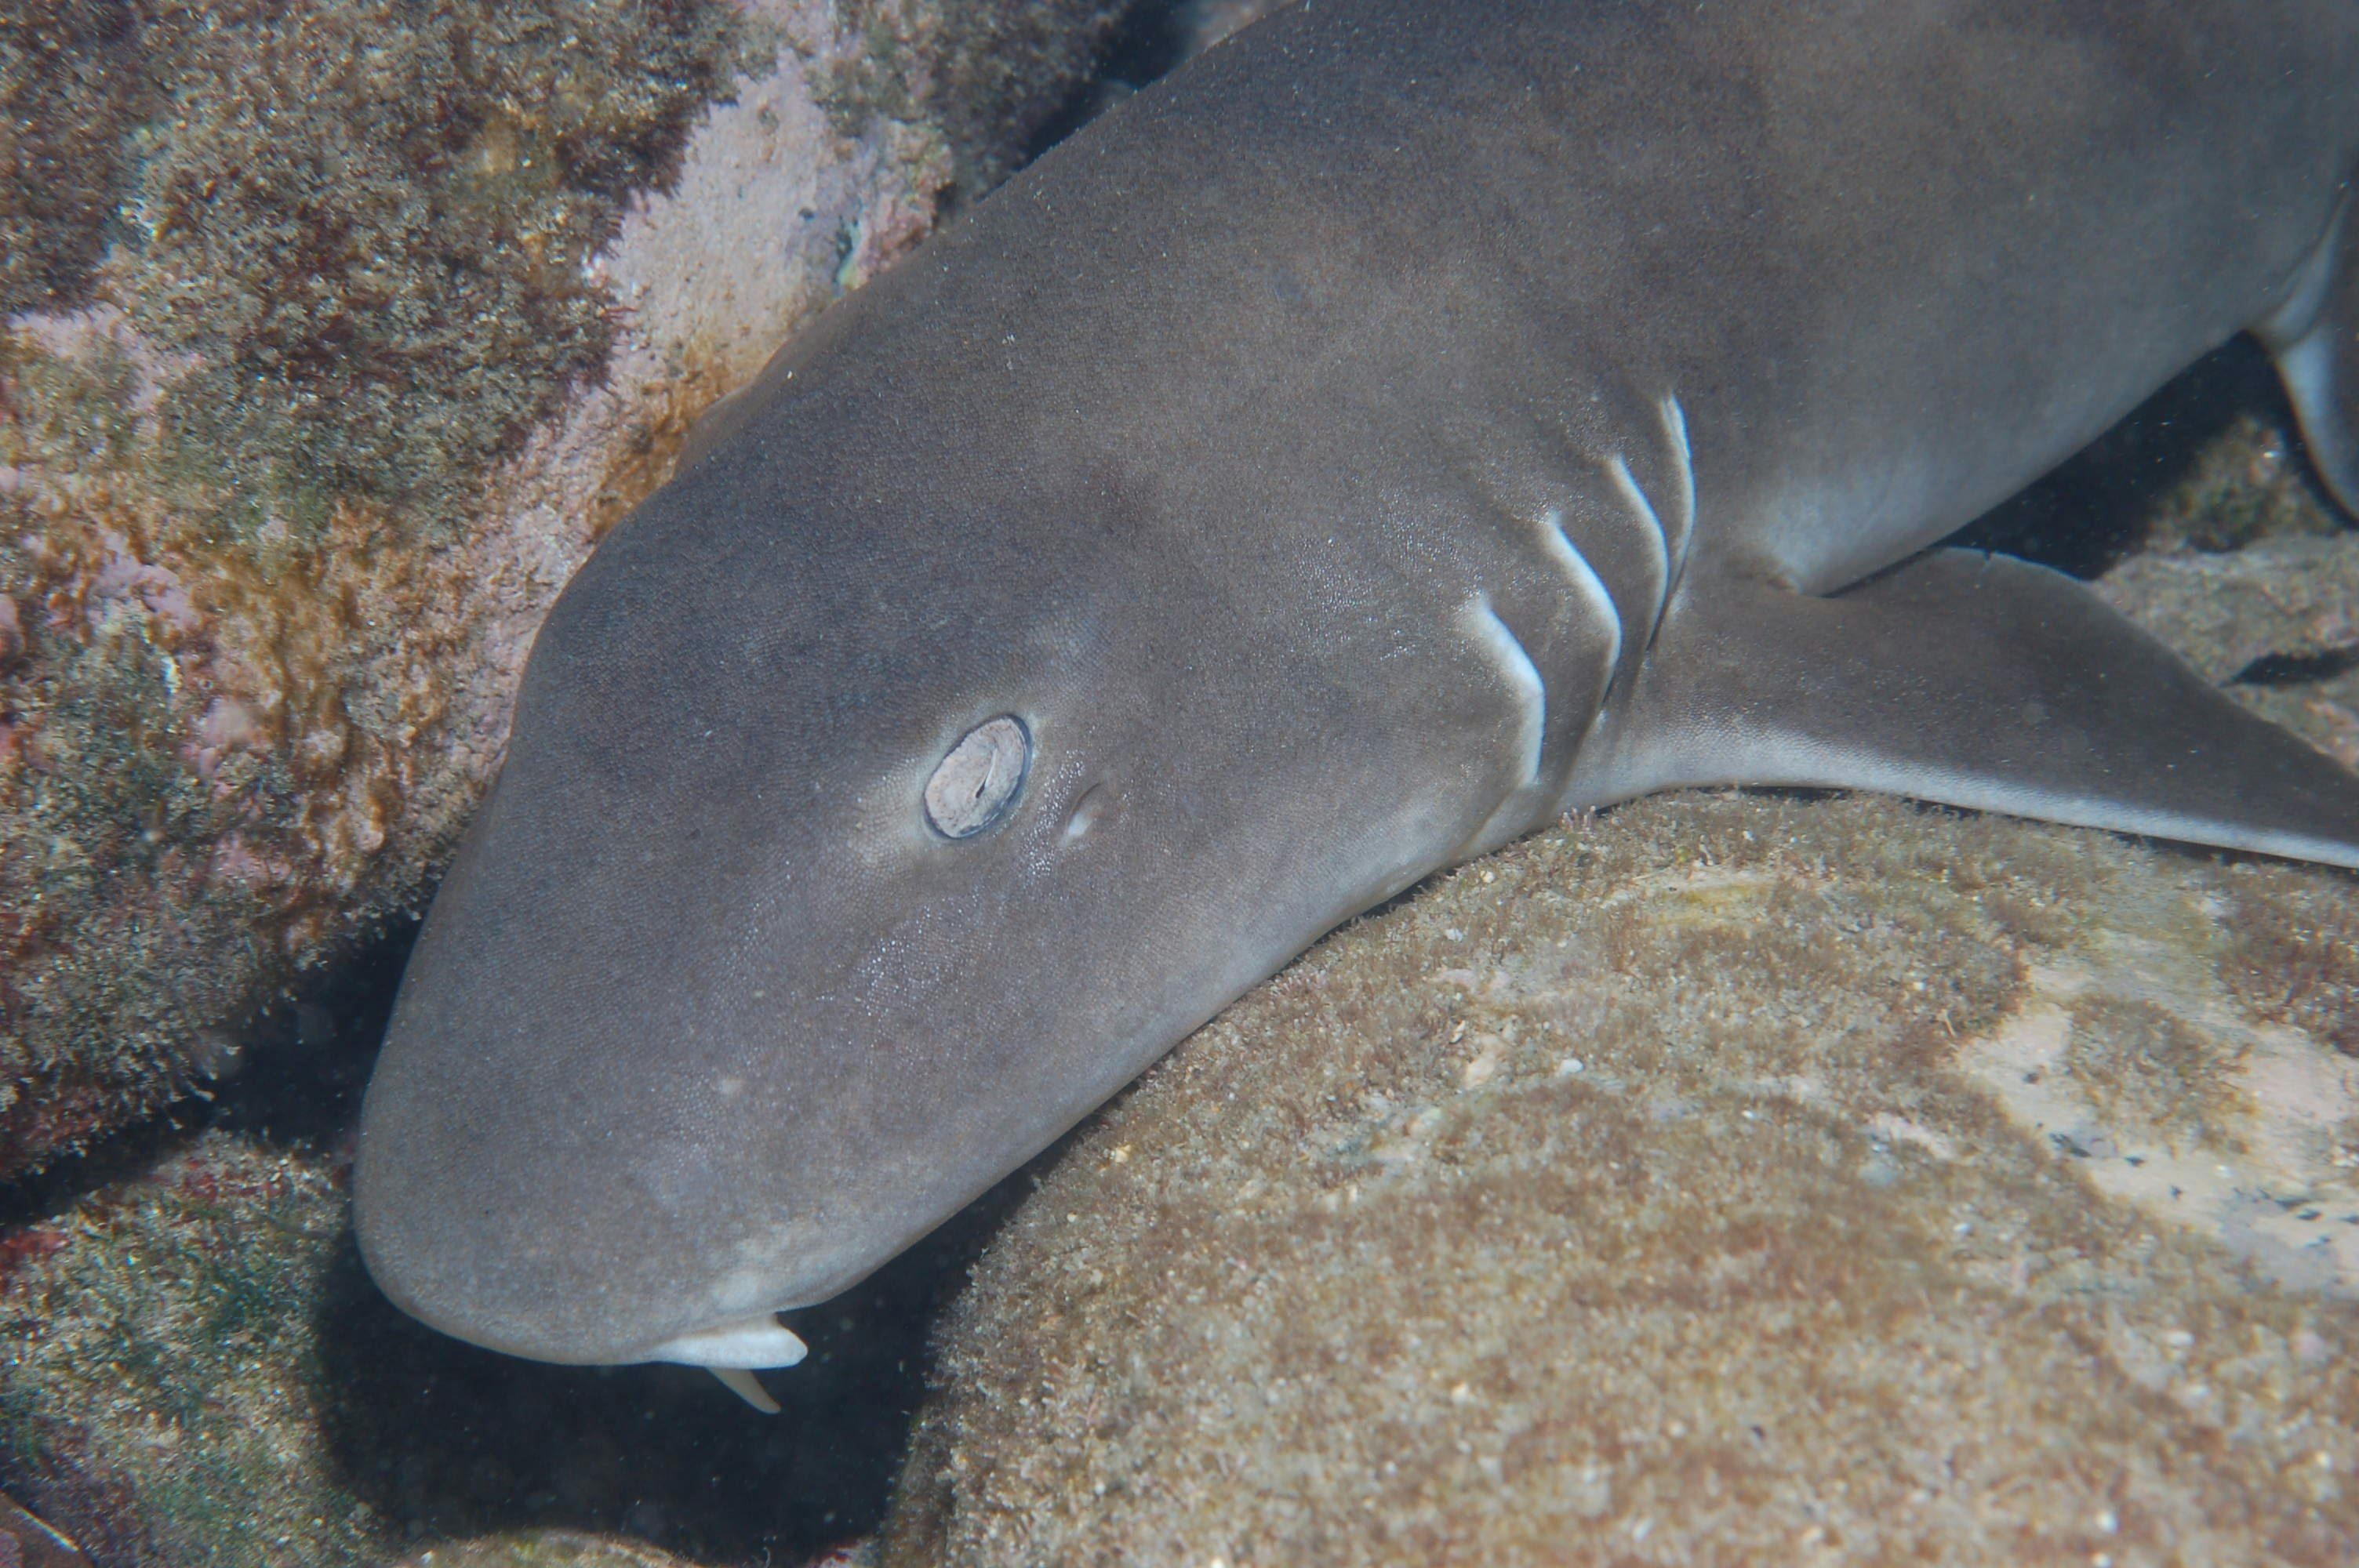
(332, 333)
(195, 1372)
(1725, 1180)
(543, 1549)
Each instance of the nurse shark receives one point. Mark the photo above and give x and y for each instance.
(1411, 421)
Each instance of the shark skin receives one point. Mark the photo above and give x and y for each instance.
(1407, 422)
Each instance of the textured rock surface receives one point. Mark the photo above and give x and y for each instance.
(159, 1337)
(195, 1373)
(2278, 619)
(1724, 1181)
(544, 1549)
(2292, 601)
(1739, 1179)
(335, 333)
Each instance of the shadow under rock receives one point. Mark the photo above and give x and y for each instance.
(451, 1441)
(302, 1064)
(2102, 504)
(444, 1440)
(1149, 38)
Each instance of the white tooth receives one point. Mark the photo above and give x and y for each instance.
(742, 1383)
(755, 1342)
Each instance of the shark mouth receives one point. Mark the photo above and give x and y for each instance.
(731, 1351)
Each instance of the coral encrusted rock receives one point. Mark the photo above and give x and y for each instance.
(195, 1372)
(332, 333)
(1724, 1180)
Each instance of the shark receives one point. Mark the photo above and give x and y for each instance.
(1405, 424)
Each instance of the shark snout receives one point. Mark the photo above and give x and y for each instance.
(444, 1281)
(582, 1278)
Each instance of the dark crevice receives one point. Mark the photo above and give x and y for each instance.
(1151, 40)
(2102, 505)
(2298, 669)
(455, 1440)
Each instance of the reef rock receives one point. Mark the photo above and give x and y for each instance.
(162, 1385)
(543, 1549)
(2278, 620)
(196, 1373)
(1727, 1179)
(332, 333)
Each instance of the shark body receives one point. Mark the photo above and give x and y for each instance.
(1409, 422)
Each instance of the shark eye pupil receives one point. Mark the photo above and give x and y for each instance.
(977, 783)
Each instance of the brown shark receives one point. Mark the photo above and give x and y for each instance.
(1408, 422)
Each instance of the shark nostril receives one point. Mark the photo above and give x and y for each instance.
(1097, 803)
(976, 784)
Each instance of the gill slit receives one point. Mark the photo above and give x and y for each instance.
(1669, 548)
(1592, 588)
(1521, 676)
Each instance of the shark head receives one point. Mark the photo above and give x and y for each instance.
(846, 852)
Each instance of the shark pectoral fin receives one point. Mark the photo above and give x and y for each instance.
(2315, 336)
(1973, 680)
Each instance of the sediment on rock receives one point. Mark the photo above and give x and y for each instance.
(1719, 1179)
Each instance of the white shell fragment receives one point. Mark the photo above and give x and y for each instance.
(976, 783)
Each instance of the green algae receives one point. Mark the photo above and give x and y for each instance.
(372, 221)
(82, 411)
(99, 806)
(184, 1304)
(71, 89)
(331, 260)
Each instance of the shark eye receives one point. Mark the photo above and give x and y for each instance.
(977, 784)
